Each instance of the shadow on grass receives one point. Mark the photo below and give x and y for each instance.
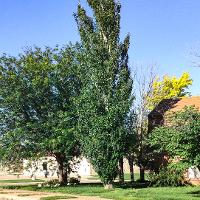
(126, 185)
(195, 193)
(135, 185)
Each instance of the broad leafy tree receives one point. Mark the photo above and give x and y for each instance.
(38, 91)
(105, 97)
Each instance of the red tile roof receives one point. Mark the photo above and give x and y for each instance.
(175, 104)
(158, 115)
(186, 101)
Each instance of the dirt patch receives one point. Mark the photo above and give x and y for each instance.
(26, 195)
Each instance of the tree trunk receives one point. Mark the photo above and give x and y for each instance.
(121, 170)
(142, 174)
(141, 157)
(130, 161)
(63, 179)
(60, 169)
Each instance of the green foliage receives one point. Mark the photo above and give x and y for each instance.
(171, 175)
(37, 104)
(105, 96)
(74, 180)
(180, 137)
(51, 183)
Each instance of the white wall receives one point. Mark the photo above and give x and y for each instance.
(35, 168)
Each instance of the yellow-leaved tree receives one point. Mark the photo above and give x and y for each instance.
(168, 87)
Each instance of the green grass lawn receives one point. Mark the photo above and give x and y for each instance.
(162, 193)
(21, 181)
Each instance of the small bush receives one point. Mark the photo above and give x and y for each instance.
(170, 175)
(55, 182)
(51, 183)
(74, 180)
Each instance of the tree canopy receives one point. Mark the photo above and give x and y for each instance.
(37, 101)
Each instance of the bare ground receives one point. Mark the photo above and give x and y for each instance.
(32, 195)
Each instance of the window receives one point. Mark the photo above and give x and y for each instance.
(44, 165)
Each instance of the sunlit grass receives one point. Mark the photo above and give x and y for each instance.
(126, 193)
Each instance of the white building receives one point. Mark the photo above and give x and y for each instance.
(48, 167)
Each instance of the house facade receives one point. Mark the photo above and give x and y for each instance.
(48, 167)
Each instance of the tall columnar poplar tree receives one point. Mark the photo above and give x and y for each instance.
(105, 99)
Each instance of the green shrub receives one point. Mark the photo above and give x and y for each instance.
(171, 175)
(55, 182)
(74, 180)
(51, 183)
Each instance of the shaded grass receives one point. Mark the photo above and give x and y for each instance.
(196, 193)
(127, 193)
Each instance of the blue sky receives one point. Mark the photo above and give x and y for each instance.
(162, 31)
